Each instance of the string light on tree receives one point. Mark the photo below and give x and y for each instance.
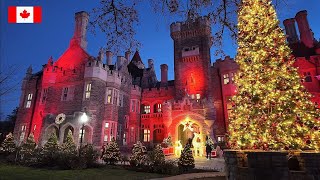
(272, 109)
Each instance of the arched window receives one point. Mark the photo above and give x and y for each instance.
(157, 108)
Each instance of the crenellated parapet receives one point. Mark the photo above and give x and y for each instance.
(158, 92)
(135, 90)
(191, 28)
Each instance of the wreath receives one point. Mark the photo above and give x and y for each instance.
(60, 118)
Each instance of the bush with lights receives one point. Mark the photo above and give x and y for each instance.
(272, 110)
(112, 154)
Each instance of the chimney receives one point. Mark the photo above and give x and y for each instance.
(127, 55)
(292, 36)
(150, 63)
(306, 35)
(109, 57)
(101, 55)
(121, 61)
(164, 74)
(80, 31)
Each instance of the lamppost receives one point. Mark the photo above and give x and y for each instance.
(83, 120)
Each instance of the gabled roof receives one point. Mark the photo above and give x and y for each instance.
(136, 57)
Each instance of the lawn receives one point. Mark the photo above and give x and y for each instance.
(8, 172)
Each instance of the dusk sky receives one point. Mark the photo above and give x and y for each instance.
(32, 44)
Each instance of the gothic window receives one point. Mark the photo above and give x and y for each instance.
(226, 79)
(29, 99)
(115, 96)
(106, 132)
(157, 108)
(229, 105)
(146, 135)
(88, 91)
(23, 132)
(132, 138)
(307, 77)
(133, 105)
(109, 95)
(120, 100)
(65, 94)
(44, 95)
(232, 77)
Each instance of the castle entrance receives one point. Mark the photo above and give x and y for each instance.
(190, 131)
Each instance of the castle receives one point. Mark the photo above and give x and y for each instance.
(124, 100)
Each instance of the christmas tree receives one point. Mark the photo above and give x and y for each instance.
(272, 110)
(27, 149)
(8, 146)
(158, 156)
(138, 156)
(186, 160)
(112, 153)
(49, 152)
(68, 153)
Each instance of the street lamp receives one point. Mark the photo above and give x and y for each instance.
(83, 120)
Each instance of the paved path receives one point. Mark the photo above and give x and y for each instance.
(194, 176)
(216, 164)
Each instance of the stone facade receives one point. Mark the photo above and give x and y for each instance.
(124, 99)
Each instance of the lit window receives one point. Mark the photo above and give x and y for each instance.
(34, 127)
(146, 109)
(198, 96)
(29, 99)
(106, 125)
(81, 133)
(232, 77)
(220, 139)
(226, 79)
(112, 131)
(105, 138)
(109, 96)
(157, 108)
(192, 96)
(88, 91)
(44, 95)
(229, 105)
(146, 135)
(307, 77)
(65, 94)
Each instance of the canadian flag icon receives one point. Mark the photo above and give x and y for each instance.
(24, 14)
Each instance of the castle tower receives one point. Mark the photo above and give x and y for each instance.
(192, 42)
(81, 23)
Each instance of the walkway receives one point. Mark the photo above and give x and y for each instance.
(216, 164)
(195, 176)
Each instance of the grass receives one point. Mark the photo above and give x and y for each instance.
(9, 172)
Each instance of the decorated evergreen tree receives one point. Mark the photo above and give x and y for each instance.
(8, 146)
(28, 149)
(49, 152)
(68, 153)
(272, 110)
(158, 157)
(139, 155)
(112, 152)
(186, 160)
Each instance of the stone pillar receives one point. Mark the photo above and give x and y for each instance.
(234, 161)
(306, 35)
(150, 63)
(164, 73)
(109, 57)
(291, 31)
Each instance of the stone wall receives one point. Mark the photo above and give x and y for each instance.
(247, 165)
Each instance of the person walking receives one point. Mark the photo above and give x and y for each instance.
(208, 148)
